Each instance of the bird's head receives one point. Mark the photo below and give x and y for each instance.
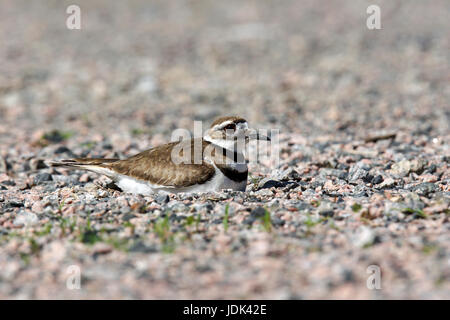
(227, 131)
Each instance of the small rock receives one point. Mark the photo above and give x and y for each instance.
(128, 216)
(404, 167)
(84, 178)
(42, 177)
(101, 248)
(417, 165)
(15, 204)
(424, 189)
(358, 174)
(141, 247)
(162, 198)
(377, 179)
(258, 212)
(146, 84)
(9, 183)
(401, 168)
(62, 149)
(26, 219)
(278, 222)
(326, 209)
(389, 182)
(4, 177)
(429, 178)
(368, 178)
(363, 237)
(37, 207)
(413, 201)
(203, 206)
(264, 193)
(358, 171)
(269, 183)
(288, 174)
(249, 220)
(341, 174)
(432, 168)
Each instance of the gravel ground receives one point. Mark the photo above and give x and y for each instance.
(363, 177)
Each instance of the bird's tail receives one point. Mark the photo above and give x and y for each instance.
(100, 166)
(80, 162)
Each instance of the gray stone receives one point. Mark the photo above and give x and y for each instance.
(426, 188)
(364, 236)
(42, 177)
(9, 183)
(387, 183)
(413, 201)
(358, 171)
(269, 183)
(26, 219)
(162, 198)
(258, 212)
(404, 167)
(377, 179)
(341, 174)
(128, 216)
(326, 209)
(288, 174)
(278, 222)
(264, 192)
(203, 206)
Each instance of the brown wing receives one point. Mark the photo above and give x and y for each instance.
(158, 166)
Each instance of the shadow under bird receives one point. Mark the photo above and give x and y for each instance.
(212, 163)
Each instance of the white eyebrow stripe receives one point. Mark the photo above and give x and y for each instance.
(222, 125)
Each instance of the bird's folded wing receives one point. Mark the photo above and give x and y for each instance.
(158, 167)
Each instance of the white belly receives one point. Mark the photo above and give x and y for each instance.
(217, 183)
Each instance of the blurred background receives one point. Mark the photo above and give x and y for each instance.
(144, 67)
(312, 69)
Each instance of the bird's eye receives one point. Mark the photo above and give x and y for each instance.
(230, 126)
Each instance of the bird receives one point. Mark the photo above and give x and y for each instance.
(211, 163)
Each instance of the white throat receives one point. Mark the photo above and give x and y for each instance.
(230, 145)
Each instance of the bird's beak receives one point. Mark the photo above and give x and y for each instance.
(257, 136)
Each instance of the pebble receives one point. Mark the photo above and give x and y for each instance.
(425, 188)
(404, 167)
(37, 207)
(84, 178)
(288, 174)
(42, 177)
(364, 236)
(101, 248)
(377, 179)
(26, 218)
(269, 183)
(162, 198)
(8, 183)
(341, 174)
(264, 193)
(258, 212)
(387, 183)
(358, 171)
(326, 209)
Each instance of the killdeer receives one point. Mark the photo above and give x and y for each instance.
(212, 163)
